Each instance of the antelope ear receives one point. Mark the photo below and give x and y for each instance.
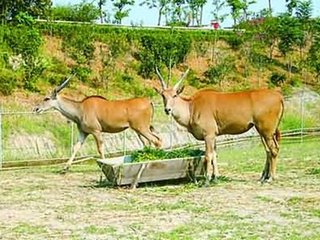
(180, 89)
(54, 94)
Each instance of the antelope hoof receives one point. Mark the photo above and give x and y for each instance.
(263, 177)
(206, 183)
(214, 180)
(266, 179)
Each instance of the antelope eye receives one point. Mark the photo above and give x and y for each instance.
(174, 96)
(46, 99)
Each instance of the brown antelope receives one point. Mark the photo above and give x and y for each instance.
(94, 115)
(208, 114)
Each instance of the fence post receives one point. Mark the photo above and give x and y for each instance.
(124, 142)
(302, 115)
(171, 132)
(1, 149)
(71, 138)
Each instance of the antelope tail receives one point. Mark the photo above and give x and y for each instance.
(278, 135)
(152, 106)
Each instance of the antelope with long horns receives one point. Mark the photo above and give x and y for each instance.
(208, 114)
(95, 114)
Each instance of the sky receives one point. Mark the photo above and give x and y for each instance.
(142, 15)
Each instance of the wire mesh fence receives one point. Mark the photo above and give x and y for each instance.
(27, 137)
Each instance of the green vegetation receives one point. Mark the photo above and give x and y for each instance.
(148, 154)
(26, 228)
(276, 51)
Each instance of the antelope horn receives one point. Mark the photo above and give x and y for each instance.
(63, 85)
(163, 84)
(176, 86)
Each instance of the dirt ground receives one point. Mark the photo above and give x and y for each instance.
(40, 203)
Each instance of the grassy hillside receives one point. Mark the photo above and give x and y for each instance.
(119, 63)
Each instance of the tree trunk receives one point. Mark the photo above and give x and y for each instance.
(101, 16)
(270, 8)
(201, 14)
(160, 15)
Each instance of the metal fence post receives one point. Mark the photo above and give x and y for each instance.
(71, 139)
(1, 149)
(124, 142)
(301, 115)
(171, 132)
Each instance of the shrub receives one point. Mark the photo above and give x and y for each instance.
(234, 41)
(193, 80)
(277, 79)
(8, 82)
(79, 46)
(83, 12)
(216, 74)
(25, 40)
(82, 72)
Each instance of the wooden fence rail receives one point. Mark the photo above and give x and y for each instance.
(289, 136)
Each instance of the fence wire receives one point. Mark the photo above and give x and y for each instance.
(25, 136)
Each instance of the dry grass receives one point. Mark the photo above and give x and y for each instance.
(39, 203)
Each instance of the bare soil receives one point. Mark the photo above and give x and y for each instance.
(43, 204)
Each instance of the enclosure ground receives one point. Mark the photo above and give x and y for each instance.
(39, 203)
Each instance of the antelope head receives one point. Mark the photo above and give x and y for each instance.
(170, 94)
(50, 101)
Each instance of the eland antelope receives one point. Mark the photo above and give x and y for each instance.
(95, 114)
(208, 114)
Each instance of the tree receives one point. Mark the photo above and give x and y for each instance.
(121, 12)
(269, 33)
(291, 34)
(178, 14)
(291, 5)
(304, 13)
(304, 10)
(34, 8)
(196, 7)
(25, 40)
(101, 3)
(218, 5)
(270, 8)
(245, 8)
(168, 51)
(236, 7)
(314, 51)
(161, 5)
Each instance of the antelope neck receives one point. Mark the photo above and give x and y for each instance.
(181, 111)
(69, 108)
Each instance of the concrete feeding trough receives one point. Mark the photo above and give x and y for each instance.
(121, 171)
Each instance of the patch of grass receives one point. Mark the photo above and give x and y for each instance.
(264, 199)
(250, 157)
(70, 208)
(316, 212)
(26, 228)
(314, 171)
(295, 200)
(293, 120)
(92, 229)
